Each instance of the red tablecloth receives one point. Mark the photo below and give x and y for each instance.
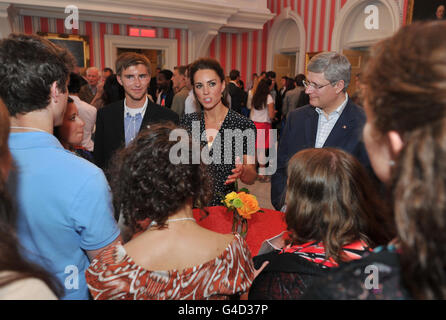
(261, 226)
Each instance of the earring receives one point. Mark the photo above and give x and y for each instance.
(391, 163)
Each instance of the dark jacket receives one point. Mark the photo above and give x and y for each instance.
(237, 97)
(300, 133)
(169, 98)
(110, 136)
(286, 277)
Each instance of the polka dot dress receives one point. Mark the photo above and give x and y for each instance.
(236, 137)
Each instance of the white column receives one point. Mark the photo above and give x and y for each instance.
(200, 38)
(6, 20)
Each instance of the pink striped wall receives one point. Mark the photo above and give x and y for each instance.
(96, 32)
(246, 52)
(318, 17)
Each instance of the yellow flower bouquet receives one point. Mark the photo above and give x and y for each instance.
(243, 205)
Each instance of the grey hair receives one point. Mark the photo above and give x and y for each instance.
(92, 69)
(333, 65)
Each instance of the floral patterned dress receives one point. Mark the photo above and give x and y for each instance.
(114, 275)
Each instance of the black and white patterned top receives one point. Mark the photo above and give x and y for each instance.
(236, 137)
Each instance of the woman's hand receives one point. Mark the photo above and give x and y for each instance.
(236, 172)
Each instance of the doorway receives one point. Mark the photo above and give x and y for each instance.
(168, 47)
(358, 58)
(156, 57)
(286, 44)
(284, 65)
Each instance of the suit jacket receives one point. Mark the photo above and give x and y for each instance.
(290, 100)
(110, 135)
(179, 101)
(236, 97)
(300, 133)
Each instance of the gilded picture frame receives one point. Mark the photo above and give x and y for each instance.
(78, 45)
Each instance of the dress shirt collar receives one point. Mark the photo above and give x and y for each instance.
(134, 111)
(338, 109)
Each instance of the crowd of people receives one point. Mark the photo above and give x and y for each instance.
(82, 160)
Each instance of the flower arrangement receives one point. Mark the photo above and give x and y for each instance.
(243, 205)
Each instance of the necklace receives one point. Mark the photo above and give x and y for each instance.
(180, 219)
(153, 223)
(29, 128)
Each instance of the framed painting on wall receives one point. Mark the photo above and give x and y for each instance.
(422, 10)
(77, 45)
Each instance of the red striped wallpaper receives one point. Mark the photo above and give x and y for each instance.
(246, 52)
(96, 32)
(318, 17)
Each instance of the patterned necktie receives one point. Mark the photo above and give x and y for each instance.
(132, 125)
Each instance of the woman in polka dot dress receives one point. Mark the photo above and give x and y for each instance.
(227, 138)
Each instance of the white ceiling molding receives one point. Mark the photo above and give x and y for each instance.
(200, 40)
(156, 13)
(202, 18)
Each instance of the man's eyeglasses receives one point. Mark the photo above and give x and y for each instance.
(313, 85)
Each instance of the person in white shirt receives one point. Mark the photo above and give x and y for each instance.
(190, 105)
(262, 113)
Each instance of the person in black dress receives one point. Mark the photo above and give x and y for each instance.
(227, 138)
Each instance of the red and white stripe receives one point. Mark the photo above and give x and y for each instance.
(96, 32)
(242, 51)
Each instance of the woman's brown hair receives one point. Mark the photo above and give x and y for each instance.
(330, 198)
(406, 93)
(260, 96)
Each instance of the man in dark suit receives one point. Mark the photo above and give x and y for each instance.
(330, 120)
(235, 92)
(117, 124)
(165, 91)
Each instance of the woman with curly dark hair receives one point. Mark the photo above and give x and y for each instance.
(174, 257)
(333, 216)
(19, 279)
(405, 136)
